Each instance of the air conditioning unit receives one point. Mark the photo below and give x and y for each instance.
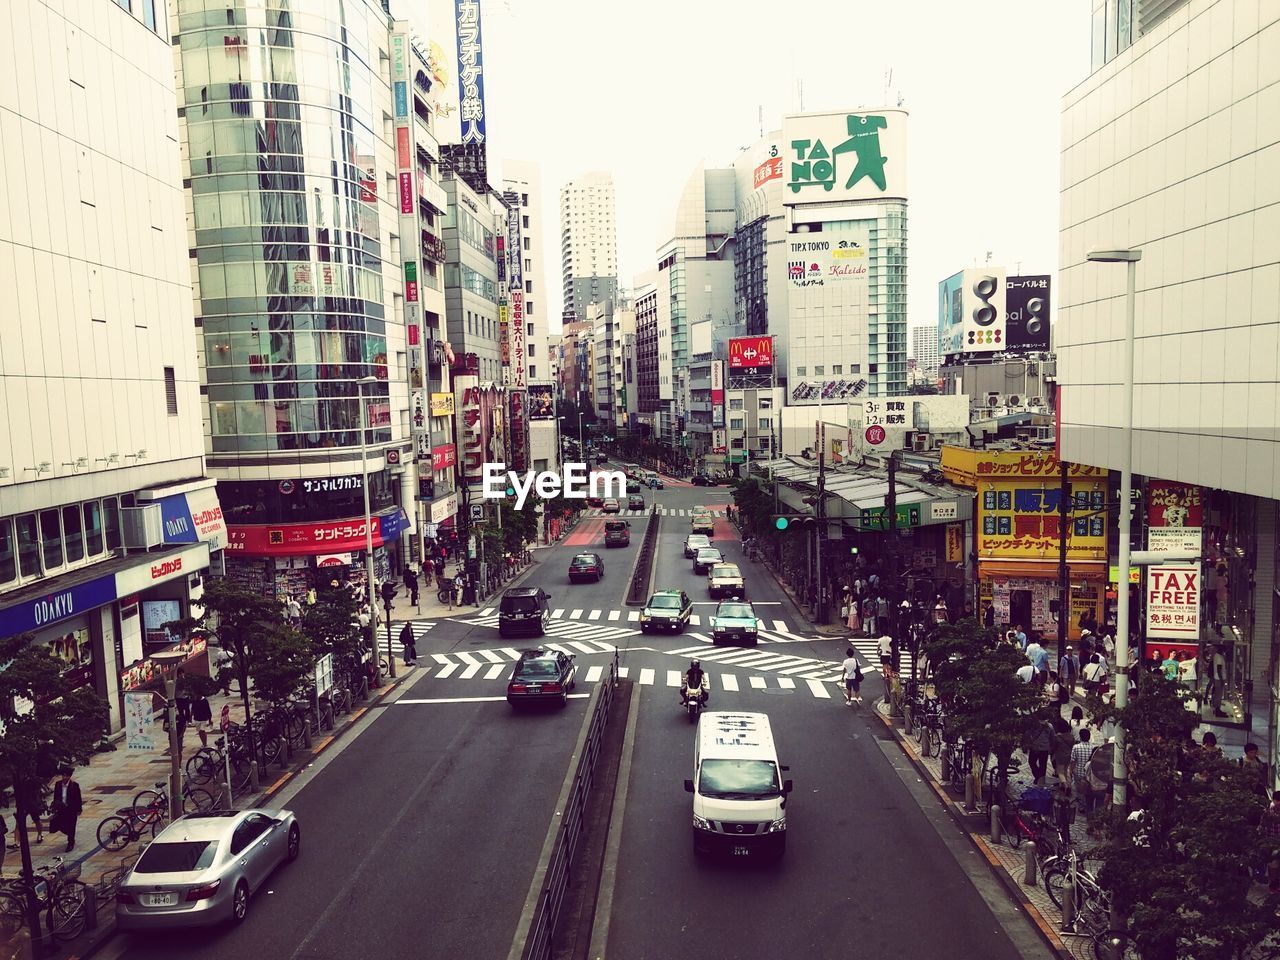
(1036, 402)
(1014, 400)
(1033, 369)
(142, 526)
(920, 442)
(993, 399)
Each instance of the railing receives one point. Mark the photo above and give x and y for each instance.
(638, 591)
(538, 942)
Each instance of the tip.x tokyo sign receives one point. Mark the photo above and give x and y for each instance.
(851, 156)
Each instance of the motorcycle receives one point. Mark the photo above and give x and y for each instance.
(693, 702)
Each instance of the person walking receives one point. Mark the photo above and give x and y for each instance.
(1081, 754)
(202, 714)
(989, 616)
(1063, 811)
(852, 673)
(868, 616)
(885, 644)
(1063, 740)
(33, 802)
(407, 642)
(411, 584)
(1039, 746)
(67, 806)
(1068, 674)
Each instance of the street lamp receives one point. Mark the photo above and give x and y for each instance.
(370, 592)
(1119, 774)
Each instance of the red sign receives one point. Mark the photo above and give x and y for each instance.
(302, 539)
(224, 719)
(406, 193)
(413, 335)
(403, 152)
(875, 434)
(160, 570)
(1172, 504)
(771, 169)
(444, 457)
(750, 352)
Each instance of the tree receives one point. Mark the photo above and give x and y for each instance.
(923, 390)
(986, 702)
(283, 659)
(47, 724)
(331, 624)
(1180, 866)
(754, 504)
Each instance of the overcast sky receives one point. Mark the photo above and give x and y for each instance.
(646, 91)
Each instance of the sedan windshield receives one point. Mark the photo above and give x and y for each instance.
(584, 561)
(736, 610)
(708, 553)
(185, 857)
(739, 779)
(538, 670)
(665, 603)
(725, 570)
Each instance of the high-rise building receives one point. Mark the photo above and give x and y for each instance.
(294, 206)
(647, 397)
(100, 425)
(924, 350)
(1202, 204)
(588, 243)
(471, 276)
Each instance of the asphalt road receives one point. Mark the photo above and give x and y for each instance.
(421, 833)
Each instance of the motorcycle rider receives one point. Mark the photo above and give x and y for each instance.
(695, 678)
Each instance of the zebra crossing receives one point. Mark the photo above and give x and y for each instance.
(597, 512)
(598, 624)
(573, 628)
(420, 629)
(752, 658)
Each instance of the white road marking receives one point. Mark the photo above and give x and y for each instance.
(688, 650)
(673, 678)
(633, 615)
(495, 670)
(819, 690)
(466, 657)
(807, 668)
(557, 648)
(757, 681)
(470, 672)
(594, 673)
(557, 614)
(447, 670)
(646, 676)
(490, 656)
(511, 652)
(572, 696)
(604, 647)
(786, 683)
(582, 647)
(779, 625)
(593, 615)
(695, 619)
(615, 614)
(440, 658)
(623, 671)
(729, 682)
(486, 611)
(575, 615)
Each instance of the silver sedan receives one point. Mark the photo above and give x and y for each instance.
(203, 868)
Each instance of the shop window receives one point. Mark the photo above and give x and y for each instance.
(50, 539)
(111, 522)
(8, 552)
(73, 533)
(93, 527)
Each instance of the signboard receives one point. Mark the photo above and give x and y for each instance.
(1027, 313)
(442, 405)
(519, 439)
(542, 404)
(443, 457)
(717, 393)
(893, 414)
(324, 675)
(1175, 516)
(810, 390)
(1020, 519)
(194, 516)
(504, 333)
(411, 281)
(333, 560)
(467, 392)
(946, 510)
(300, 539)
(444, 508)
(1173, 601)
(845, 156)
(51, 608)
(139, 722)
(830, 257)
(983, 303)
(750, 353)
(951, 315)
(875, 435)
(955, 543)
(477, 512)
(771, 169)
(161, 569)
(517, 338)
(877, 518)
(470, 71)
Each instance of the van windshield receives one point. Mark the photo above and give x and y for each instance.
(612, 525)
(739, 779)
(519, 604)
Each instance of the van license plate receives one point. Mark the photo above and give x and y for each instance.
(741, 851)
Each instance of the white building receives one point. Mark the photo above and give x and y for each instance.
(107, 518)
(1172, 145)
(924, 350)
(588, 243)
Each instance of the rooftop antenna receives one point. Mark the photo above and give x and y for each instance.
(800, 90)
(888, 84)
(760, 118)
(988, 258)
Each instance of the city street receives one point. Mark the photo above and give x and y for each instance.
(380, 875)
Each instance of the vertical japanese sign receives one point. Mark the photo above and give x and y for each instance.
(517, 423)
(139, 731)
(470, 71)
(471, 436)
(517, 339)
(717, 393)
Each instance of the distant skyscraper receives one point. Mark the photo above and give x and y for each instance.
(588, 243)
(924, 350)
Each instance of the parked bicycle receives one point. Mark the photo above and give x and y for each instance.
(194, 800)
(119, 830)
(209, 765)
(59, 894)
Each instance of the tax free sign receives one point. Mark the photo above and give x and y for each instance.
(1173, 601)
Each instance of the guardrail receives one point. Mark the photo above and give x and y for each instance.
(538, 941)
(638, 591)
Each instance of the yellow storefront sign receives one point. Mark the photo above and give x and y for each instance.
(442, 404)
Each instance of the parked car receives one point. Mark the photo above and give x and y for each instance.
(706, 558)
(617, 533)
(703, 521)
(542, 676)
(601, 458)
(735, 622)
(654, 481)
(586, 566)
(695, 542)
(611, 506)
(705, 480)
(666, 610)
(635, 502)
(203, 868)
(725, 580)
(524, 610)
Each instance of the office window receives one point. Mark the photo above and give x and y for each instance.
(524, 221)
(111, 522)
(127, 4)
(170, 392)
(837, 369)
(526, 243)
(73, 533)
(735, 423)
(27, 536)
(93, 527)
(765, 403)
(766, 423)
(8, 552)
(735, 403)
(801, 371)
(529, 328)
(820, 371)
(50, 539)
(532, 352)
(533, 372)
(528, 286)
(528, 264)
(528, 308)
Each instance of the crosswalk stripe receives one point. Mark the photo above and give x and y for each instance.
(739, 658)
(771, 661)
(673, 678)
(807, 668)
(615, 614)
(749, 658)
(686, 651)
(440, 658)
(779, 625)
(511, 652)
(604, 647)
(495, 670)
(593, 615)
(757, 681)
(593, 674)
(466, 658)
(716, 655)
(557, 614)
(786, 683)
(490, 656)
(646, 676)
(556, 647)
(470, 672)
(695, 619)
(486, 611)
(819, 675)
(447, 670)
(633, 616)
(819, 690)
(729, 682)
(582, 647)
(575, 614)
(772, 638)
(623, 671)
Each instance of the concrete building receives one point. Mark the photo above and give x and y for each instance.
(471, 276)
(647, 402)
(107, 516)
(588, 243)
(924, 350)
(1172, 145)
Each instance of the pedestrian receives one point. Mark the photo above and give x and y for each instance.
(1187, 671)
(868, 616)
(1170, 666)
(459, 588)
(293, 610)
(1255, 770)
(182, 709)
(1038, 657)
(411, 584)
(1039, 746)
(67, 807)
(33, 807)
(1063, 740)
(1064, 811)
(1093, 674)
(1026, 673)
(853, 621)
(1068, 674)
(886, 656)
(202, 714)
(1081, 753)
(1224, 599)
(407, 641)
(1217, 672)
(1020, 637)
(989, 616)
(1077, 717)
(852, 673)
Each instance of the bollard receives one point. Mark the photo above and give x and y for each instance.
(907, 725)
(90, 908)
(1029, 865)
(253, 775)
(995, 823)
(306, 734)
(926, 744)
(969, 798)
(945, 756)
(1068, 905)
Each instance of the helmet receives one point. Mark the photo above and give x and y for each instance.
(695, 665)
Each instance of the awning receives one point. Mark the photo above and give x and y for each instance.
(1039, 569)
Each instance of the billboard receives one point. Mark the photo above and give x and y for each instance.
(750, 353)
(441, 404)
(466, 389)
(983, 307)
(470, 71)
(844, 388)
(1027, 313)
(951, 315)
(1175, 516)
(844, 156)
(542, 405)
(1173, 601)
(717, 393)
(815, 260)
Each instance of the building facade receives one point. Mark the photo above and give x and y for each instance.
(1172, 146)
(924, 350)
(588, 243)
(108, 519)
(647, 402)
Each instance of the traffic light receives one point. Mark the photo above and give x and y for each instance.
(388, 592)
(787, 520)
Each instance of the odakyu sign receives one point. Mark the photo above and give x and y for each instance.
(845, 156)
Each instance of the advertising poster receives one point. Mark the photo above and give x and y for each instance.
(951, 315)
(542, 404)
(1175, 516)
(1027, 313)
(984, 323)
(1173, 601)
(139, 722)
(750, 353)
(844, 156)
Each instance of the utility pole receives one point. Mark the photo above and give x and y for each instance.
(820, 512)
(1064, 582)
(29, 903)
(175, 750)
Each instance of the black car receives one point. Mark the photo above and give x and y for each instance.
(601, 458)
(705, 480)
(524, 610)
(635, 502)
(586, 566)
(542, 676)
(617, 533)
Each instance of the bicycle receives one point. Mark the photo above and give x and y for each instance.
(57, 891)
(1092, 914)
(119, 830)
(194, 800)
(209, 764)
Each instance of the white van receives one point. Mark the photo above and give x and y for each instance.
(739, 796)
